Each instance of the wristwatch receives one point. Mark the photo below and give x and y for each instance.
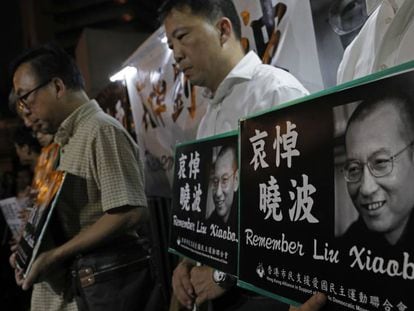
(223, 280)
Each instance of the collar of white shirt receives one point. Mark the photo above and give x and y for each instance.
(395, 4)
(244, 70)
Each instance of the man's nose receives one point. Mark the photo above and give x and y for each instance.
(27, 119)
(27, 122)
(219, 190)
(178, 54)
(368, 182)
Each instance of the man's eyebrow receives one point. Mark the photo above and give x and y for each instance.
(382, 150)
(174, 33)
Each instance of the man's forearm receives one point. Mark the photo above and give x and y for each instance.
(111, 225)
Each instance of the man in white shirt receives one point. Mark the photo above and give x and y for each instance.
(204, 36)
(386, 40)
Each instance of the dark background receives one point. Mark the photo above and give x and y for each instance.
(25, 23)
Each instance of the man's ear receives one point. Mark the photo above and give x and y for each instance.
(225, 28)
(59, 86)
(236, 180)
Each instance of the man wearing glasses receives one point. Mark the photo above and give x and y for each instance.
(380, 171)
(224, 187)
(101, 202)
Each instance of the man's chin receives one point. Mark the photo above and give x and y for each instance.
(376, 225)
(47, 129)
(194, 80)
(220, 211)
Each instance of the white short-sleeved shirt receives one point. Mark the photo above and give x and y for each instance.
(249, 87)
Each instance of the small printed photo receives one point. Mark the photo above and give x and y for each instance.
(222, 190)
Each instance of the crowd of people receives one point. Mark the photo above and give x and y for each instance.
(99, 261)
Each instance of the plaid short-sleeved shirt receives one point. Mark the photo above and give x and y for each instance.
(103, 171)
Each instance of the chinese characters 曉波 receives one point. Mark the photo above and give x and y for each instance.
(270, 198)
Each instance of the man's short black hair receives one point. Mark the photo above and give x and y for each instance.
(50, 61)
(401, 100)
(210, 9)
(233, 150)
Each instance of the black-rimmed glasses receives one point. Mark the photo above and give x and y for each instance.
(23, 98)
(378, 165)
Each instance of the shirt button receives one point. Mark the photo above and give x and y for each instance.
(383, 66)
(388, 20)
